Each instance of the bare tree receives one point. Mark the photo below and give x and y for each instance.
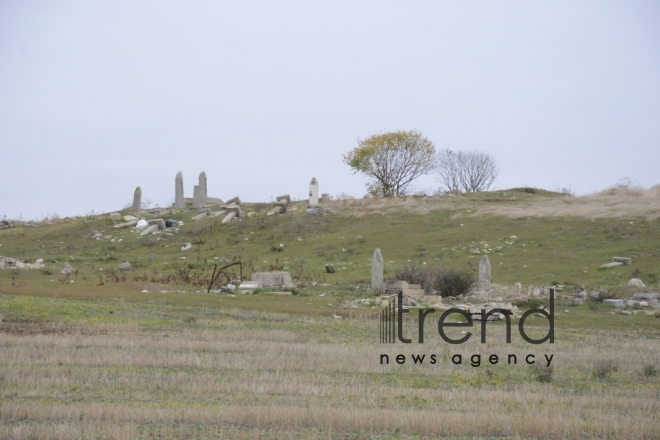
(467, 171)
(392, 161)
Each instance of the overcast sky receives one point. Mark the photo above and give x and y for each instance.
(97, 98)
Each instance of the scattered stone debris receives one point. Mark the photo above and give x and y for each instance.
(280, 205)
(6, 224)
(13, 263)
(126, 266)
(95, 235)
(67, 269)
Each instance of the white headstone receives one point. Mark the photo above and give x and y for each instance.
(484, 274)
(377, 269)
(178, 192)
(314, 192)
(137, 199)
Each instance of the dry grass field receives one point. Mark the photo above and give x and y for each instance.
(145, 354)
(173, 372)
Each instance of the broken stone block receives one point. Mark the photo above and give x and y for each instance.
(115, 216)
(611, 264)
(201, 215)
(329, 268)
(636, 282)
(126, 224)
(274, 279)
(229, 217)
(126, 266)
(219, 213)
(625, 260)
(285, 198)
(158, 222)
(236, 209)
(186, 247)
(149, 230)
(276, 210)
(249, 286)
(614, 302)
(130, 218)
(236, 200)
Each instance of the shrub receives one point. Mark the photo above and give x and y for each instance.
(650, 370)
(453, 282)
(541, 373)
(603, 369)
(413, 273)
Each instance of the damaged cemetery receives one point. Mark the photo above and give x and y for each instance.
(215, 294)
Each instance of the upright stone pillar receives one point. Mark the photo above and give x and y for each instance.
(137, 199)
(178, 192)
(377, 269)
(199, 192)
(484, 274)
(313, 192)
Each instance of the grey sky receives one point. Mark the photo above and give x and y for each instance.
(97, 98)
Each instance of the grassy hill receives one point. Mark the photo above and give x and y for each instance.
(534, 237)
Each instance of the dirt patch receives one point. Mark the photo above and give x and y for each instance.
(35, 326)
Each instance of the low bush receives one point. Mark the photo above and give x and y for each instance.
(603, 369)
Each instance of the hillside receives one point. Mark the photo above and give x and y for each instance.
(559, 239)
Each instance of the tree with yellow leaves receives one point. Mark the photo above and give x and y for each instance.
(392, 161)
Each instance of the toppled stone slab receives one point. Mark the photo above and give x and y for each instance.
(6, 224)
(276, 210)
(158, 222)
(274, 279)
(613, 302)
(126, 224)
(625, 260)
(229, 217)
(236, 200)
(646, 296)
(130, 218)
(612, 264)
(249, 286)
(114, 216)
(203, 214)
(149, 230)
(219, 213)
(285, 197)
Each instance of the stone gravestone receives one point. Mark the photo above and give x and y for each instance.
(178, 192)
(199, 193)
(484, 274)
(137, 199)
(313, 192)
(377, 268)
